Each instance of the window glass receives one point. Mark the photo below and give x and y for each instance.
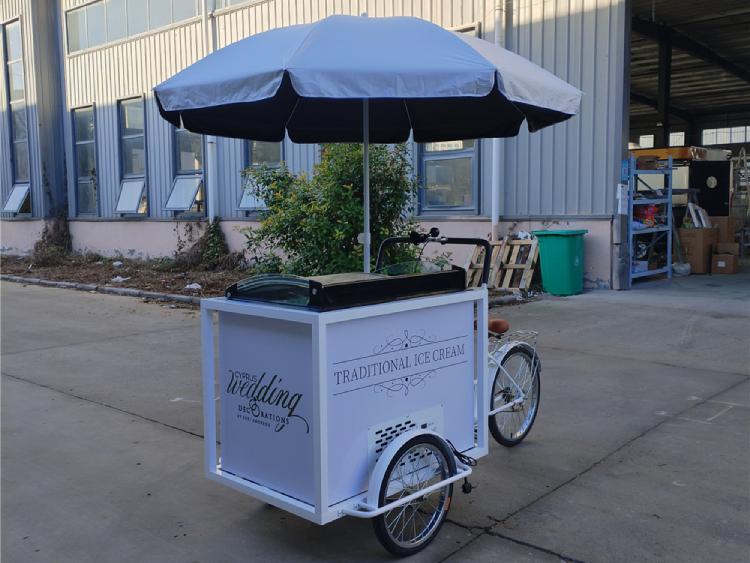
(183, 9)
(738, 134)
(86, 197)
(189, 148)
(137, 16)
(265, 153)
(131, 117)
(131, 198)
(709, 136)
(449, 146)
(96, 24)
(21, 161)
(449, 175)
(722, 136)
(646, 141)
(448, 182)
(15, 74)
(76, 30)
(185, 191)
(159, 13)
(13, 41)
(16, 199)
(85, 160)
(677, 139)
(117, 19)
(133, 156)
(84, 124)
(19, 129)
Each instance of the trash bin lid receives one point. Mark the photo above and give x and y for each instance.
(564, 233)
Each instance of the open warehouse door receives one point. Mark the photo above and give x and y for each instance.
(686, 200)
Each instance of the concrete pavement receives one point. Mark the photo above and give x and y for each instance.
(641, 449)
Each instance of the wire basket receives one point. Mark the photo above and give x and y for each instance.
(526, 336)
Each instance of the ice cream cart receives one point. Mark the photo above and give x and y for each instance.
(348, 395)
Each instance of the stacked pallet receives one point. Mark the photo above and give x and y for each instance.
(512, 265)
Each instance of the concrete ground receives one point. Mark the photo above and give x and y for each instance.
(641, 450)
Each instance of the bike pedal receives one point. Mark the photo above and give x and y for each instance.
(467, 487)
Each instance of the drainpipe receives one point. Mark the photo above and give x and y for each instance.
(210, 172)
(495, 182)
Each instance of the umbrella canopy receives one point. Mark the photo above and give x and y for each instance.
(309, 81)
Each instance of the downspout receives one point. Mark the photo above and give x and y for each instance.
(211, 176)
(495, 182)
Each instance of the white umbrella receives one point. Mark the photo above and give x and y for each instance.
(352, 79)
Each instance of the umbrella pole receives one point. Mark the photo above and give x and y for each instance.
(366, 181)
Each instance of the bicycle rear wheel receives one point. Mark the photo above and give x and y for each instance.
(519, 370)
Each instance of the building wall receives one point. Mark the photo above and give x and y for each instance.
(43, 110)
(570, 169)
(567, 172)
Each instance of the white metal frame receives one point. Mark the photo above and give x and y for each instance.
(321, 512)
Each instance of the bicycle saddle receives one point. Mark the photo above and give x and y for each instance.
(498, 326)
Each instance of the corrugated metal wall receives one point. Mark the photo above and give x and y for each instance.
(10, 10)
(572, 168)
(568, 170)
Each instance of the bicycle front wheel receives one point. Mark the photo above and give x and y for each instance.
(516, 386)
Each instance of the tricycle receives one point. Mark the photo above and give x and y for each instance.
(364, 395)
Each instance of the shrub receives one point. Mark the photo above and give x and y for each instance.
(313, 223)
(209, 252)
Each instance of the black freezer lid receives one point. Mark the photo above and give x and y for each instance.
(336, 291)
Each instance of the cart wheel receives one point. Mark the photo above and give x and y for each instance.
(419, 463)
(510, 427)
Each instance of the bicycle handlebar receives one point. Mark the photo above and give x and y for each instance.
(434, 236)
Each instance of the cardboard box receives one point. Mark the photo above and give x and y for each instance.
(728, 226)
(697, 247)
(727, 248)
(725, 264)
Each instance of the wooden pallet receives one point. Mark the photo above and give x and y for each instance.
(518, 260)
(476, 264)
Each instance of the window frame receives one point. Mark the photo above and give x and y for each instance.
(425, 156)
(26, 198)
(128, 35)
(121, 154)
(248, 163)
(78, 212)
(178, 174)
(20, 105)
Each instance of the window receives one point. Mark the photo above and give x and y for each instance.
(84, 139)
(189, 152)
(259, 153)
(19, 129)
(18, 201)
(726, 135)
(187, 194)
(104, 21)
(187, 189)
(677, 139)
(132, 138)
(449, 176)
(646, 141)
(117, 19)
(133, 198)
(227, 3)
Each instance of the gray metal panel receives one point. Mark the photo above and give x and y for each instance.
(32, 53)
(572, 168)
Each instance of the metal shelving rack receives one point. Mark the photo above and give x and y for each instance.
(638, 197)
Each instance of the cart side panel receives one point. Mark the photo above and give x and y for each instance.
(265, 385)
(417, 366)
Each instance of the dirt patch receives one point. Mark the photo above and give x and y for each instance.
(152, 275)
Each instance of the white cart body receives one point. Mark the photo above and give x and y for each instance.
(304, 403)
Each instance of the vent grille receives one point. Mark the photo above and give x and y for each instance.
(381, 435)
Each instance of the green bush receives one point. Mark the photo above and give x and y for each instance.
(310, 225)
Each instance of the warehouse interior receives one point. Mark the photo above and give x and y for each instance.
(689, 86)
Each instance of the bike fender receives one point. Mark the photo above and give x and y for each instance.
(378, 472)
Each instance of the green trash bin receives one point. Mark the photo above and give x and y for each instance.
(561, 254)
